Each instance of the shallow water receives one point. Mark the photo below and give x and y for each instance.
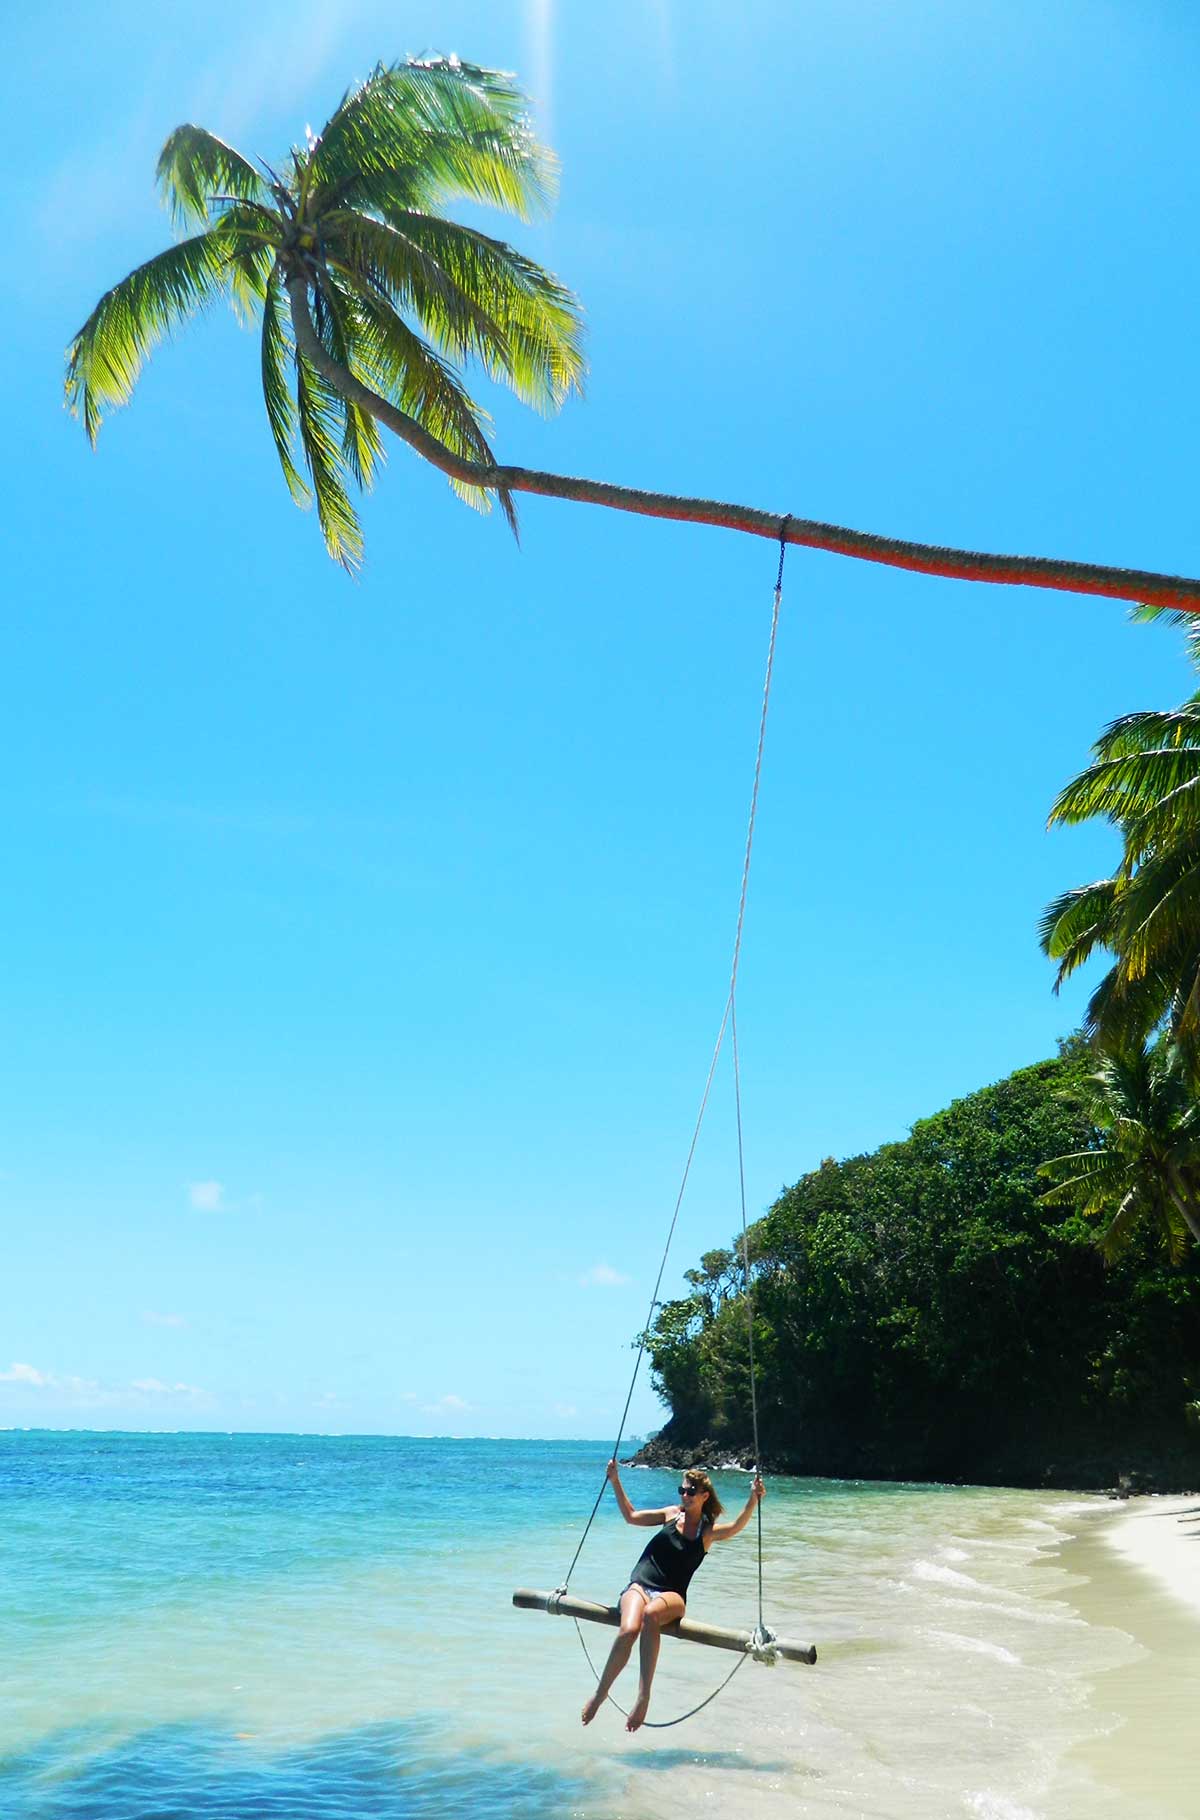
(321, 1627)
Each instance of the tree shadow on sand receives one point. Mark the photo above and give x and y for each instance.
(194, 1772)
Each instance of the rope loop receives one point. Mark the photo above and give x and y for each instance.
(762, 1645)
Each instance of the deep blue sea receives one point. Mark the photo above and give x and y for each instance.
(227, 1627)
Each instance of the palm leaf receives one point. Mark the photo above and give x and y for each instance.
(441, 128)
(195, 166)
(1122, 1011)
(106, 357)
(281, 408)
(390, 262)
(1076, 923)
(1175, 817)
(404, 368)
(256, 236)
(1159, 909)
(1117, 1234)
(335, 323)
(1187, 623)
(1149, 728)
(1127, 785)
(541, 356)
(321, 430)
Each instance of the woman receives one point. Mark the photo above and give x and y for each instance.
(656, 1593)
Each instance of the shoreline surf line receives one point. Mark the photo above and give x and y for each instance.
(1134, 1573)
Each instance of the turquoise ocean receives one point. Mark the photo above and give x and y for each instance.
(225, 1627)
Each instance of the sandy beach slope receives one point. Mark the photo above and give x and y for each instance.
(1139, 1568)
(1162, 1536)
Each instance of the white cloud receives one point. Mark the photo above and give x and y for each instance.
(449, 1405)
(163, 1320)
(86, 1393)
(206, 1197)
(72, 1388)
(602, 1276)
(563, 1410)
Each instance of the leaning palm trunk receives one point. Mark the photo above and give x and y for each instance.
(925, 559)
(391, 300)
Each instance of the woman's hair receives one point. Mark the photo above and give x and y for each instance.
(712, 1506)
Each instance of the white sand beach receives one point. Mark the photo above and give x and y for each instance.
(1138, 1568)
(1162, 1537)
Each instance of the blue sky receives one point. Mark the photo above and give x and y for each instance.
(365, 943)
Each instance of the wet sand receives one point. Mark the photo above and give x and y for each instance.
(1139, 1568)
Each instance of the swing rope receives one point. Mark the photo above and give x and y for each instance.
(664, 1725)
(762, 1637)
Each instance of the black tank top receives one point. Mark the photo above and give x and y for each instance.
(669, 1560)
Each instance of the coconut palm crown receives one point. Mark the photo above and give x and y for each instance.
(1145, 1167)
(1146, 780)
(367, 292)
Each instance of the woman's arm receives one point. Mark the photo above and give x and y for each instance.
(723, 1531)
(648, 1519)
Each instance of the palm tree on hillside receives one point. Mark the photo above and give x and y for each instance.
(1147, 1164)
(373, 300)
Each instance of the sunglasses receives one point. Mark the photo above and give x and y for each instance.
(690, 1491)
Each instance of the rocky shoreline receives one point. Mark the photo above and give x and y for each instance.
(1169, 1471)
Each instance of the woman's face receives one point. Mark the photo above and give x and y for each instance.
(693, 1504)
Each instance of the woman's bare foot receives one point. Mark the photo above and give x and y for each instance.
(637, 1713)
(591, 1708)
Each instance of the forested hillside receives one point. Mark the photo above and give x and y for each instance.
(920, 1312)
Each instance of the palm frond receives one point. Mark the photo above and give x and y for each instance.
(1086, 1178)
(1149, 728)
(399, 364)
(1076, 923)
(389, 262)
(1174, 818)
(255, 238)
(1158, 911)
(335, 321)
(106, 357)
(1128, 785)
(322, 426)
(1117, 1234)
(281, 408)
(195, 166)
(541, 355)
(1123, 1012)
(1187, 623)
(457, 129)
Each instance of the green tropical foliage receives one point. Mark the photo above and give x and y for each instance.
(1146, 1166)
(1145, 780)
(924, 1311)
(353, 229)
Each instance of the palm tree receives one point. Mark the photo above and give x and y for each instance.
(1146, 781)
(386, 298)
(1147, 1167)
(366, 291)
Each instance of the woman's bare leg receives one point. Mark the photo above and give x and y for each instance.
(633, 1608)
(662, 1610)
